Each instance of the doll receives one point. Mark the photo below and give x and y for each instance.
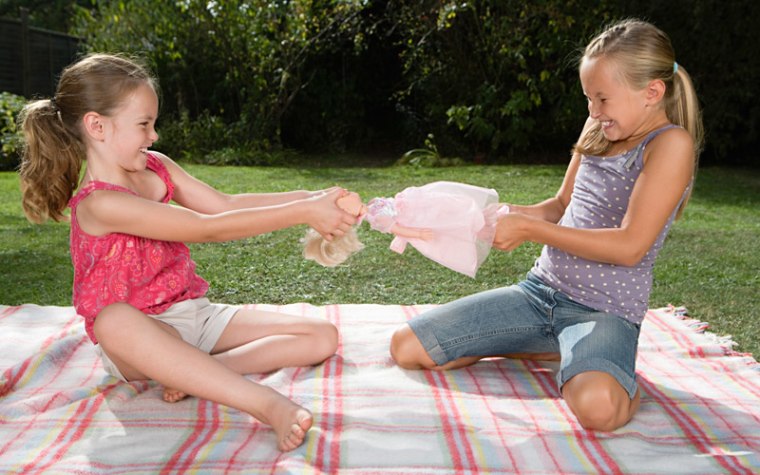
(450, 223)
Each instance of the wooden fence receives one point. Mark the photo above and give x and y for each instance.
(32, 58)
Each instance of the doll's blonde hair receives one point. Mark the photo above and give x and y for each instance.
(330, 253)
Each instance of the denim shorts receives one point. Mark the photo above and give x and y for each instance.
(531, 317)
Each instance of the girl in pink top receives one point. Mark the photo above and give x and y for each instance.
(134, 281)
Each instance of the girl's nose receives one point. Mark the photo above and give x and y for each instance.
(593, 112)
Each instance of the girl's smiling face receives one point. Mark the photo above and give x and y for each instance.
(131, 129)
(620, 110)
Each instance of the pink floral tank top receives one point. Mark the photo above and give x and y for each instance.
(151, 275)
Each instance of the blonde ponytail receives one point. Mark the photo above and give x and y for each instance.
(51, 161)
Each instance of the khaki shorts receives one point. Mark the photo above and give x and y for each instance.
(198, 321)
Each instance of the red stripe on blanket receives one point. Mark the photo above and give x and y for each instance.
(184, 457)
(11, 378)
(9, 311)
(667, 327)
(328, 452)
(530, 413)
(502, 438)
(447, 409)
(78, 423)
(584, 437)
(700, 376)
(682, 339)
(689, 427)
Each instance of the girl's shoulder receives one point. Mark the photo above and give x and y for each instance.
(668, 137)
(671, 144)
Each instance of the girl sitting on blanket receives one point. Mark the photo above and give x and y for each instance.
(583, 302)
(451, 223)
(134, 281)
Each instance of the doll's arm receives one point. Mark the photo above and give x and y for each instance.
(425, 234)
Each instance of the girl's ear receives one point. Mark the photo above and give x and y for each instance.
(93, 125)
(655, 91)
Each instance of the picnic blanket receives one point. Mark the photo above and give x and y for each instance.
(61, 413)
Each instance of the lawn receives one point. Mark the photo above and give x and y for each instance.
(710, 262)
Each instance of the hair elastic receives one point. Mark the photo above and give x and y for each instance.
(675, 67)
(54, 104)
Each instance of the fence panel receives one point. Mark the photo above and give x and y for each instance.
(31, 59)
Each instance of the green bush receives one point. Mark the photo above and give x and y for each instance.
(227, 62)
(490, 79)
(10, 136)
(494, 78)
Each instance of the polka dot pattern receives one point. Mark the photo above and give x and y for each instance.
(603, 187)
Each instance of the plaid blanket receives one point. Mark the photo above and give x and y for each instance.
(61, 413)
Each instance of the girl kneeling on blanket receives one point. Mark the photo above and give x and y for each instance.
(134, 281)
(630, 175)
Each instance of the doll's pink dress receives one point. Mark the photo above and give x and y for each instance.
(461, 216)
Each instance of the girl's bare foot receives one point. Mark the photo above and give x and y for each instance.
(296, 433)
(290, 422)
(173, 395)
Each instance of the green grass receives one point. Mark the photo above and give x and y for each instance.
(710, 262)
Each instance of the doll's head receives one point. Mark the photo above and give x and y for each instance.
(335, 252)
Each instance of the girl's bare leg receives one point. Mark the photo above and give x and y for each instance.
(257, 341)
(143, 348)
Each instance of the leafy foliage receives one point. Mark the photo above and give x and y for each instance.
(496, 77)
(240, 61)
(492, 80)
(10, 136)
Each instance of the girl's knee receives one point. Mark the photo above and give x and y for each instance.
(600, 404)
(321, 338)
(327, 337)
(113, 319)
(407, 351)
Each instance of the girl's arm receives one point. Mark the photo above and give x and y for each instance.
(116, 212)
(106, 212)
(552, 209)
(199, 196)
(668, 169)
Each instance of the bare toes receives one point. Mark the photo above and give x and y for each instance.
(173, 395)
(295, 434)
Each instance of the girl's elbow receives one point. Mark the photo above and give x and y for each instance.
(629, 257)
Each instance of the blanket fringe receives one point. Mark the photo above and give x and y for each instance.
(724, 341)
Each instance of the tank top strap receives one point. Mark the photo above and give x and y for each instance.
(155, 164)
(651, 135)
(96, 186)
(638, 155)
